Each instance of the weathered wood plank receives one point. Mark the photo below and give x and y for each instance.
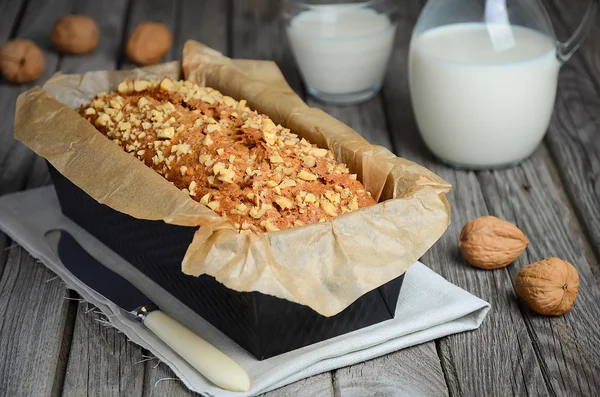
(151, 11)
(205, 21)
(574, 134)
(15, 158)
(258, 34)
(10, 16)
(102, 362)
(316, 386)
(10, 13)
(38, 174)
(161, 381)
(566, 342)
(475, 363)
(33, 317)
(368, 119)
(34, 311)
(414, 371)
(4, 249)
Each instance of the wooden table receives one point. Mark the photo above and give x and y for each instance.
(52, 344)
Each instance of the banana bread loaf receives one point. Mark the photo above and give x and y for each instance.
(225, 155)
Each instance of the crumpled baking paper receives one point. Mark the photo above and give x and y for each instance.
(325, 266)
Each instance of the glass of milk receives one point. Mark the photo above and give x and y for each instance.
(483, 77)
(342, 48)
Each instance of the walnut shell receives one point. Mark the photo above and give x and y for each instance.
(21, 61)
(75, 34)
(549, 287)
(149, 43)
(491, 243)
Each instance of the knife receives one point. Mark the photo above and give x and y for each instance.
(207, 359)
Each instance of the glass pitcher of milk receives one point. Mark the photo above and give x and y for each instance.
(483, 76)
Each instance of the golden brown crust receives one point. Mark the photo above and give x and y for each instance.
(226, 156)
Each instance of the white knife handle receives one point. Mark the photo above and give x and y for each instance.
(207, 359)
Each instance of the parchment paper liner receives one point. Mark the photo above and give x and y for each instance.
(325, 266)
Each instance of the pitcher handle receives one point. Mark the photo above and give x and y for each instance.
(566, 50)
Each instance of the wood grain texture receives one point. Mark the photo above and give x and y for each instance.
(161, 381)
(38, 175)
(16, 159)
(102, 362)
(10, 12)
(33, 317)
(151, 11)
(34, 313)
(415, 371)
(565, 342)
(315, 386)
(574, 135)
(368, 119)
(205, 21)
(475, 363)
(258, 33)
(10, 16)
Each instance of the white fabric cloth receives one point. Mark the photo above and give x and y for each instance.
(429, 307)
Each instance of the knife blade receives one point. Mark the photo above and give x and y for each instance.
(205, 358)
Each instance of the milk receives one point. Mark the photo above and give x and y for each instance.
(341, 49)
(477, 107)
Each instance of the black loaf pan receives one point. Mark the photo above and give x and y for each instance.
(263, 325)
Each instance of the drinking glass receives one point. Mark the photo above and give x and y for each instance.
(342, 49)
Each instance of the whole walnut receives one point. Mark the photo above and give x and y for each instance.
(21, 61)
(149, 43)
(491, 243)
(75, 34)
(549, 287)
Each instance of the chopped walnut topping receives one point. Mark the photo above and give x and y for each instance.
(212, 128)
(284, 202)
(226, 175)
(204, 200)
(168, 133)
(269, 226)
(310, 198)
(309, 161)
(276, 159)
(140, 85)
(166, 84)
(226, 156)
(307, 176)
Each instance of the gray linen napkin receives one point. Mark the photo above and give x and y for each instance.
(429, 307)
